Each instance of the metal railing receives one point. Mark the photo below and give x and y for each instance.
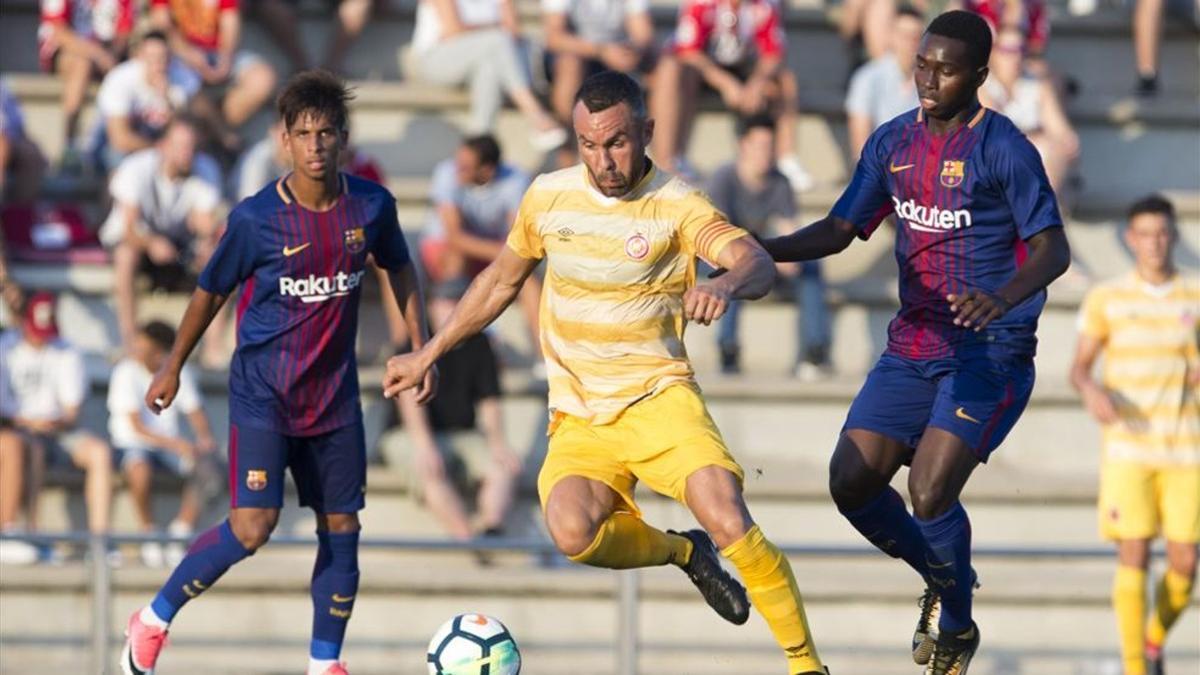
(628, 589)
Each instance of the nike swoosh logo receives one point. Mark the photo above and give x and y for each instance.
(289, 251)
(962, 415)
(935, 566)
(897, 169)
(342, 598)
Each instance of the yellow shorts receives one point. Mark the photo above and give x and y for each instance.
(660, 441)
(1140, 502)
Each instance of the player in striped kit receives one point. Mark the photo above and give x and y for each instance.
(298, 250)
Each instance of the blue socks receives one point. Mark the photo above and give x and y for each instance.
(887, 524)
(334, 585)
(209, 556)
(949, 537)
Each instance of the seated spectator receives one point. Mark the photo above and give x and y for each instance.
(1031, 102)
(457, 440)
(1030, 17)
(584, 37)
(204, 35)
(22, 165)
(883, 88)
(476, 42)
(164, 216)
(475, 199)
(736, 48)
(42, 386)
(79, 43)
(138, 98)
(866, 26)
(280, 20)
(146, 442)
(757, 197)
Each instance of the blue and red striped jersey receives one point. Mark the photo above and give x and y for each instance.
(301, 273)
(964, 202)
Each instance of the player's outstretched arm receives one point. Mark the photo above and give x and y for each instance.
(825, 237)
(1049, 257)
(492, 291)
(200, 312)
(406, 288)
(749, 275)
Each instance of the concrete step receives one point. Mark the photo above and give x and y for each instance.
(1036, 616)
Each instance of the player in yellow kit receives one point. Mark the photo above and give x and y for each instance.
(620, 239)
(1146, 324)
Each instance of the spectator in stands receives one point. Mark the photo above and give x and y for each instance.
(736, 48)
(79, 40)
(164, 217)
(146, 442)
(11, 294)
(1028, 98)
(866, 26)
(1147, 36)
(1146, 326)
(1029, 17)
(42, 386)
(477, 42)
(138, 97)
(280, 19)
(459, 432)
(475, 198)
(586, 36)
(757, 197)
(22, 165)
(204, 34)
(883, 87)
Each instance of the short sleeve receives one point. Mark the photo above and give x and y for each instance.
(391, 251)
(187, 399)
(1093, 322)
(444, 188)
(866, 201)
(691, 34)
(123, 394)
(235, 258)
(113, 99)
(634, 7)
(858, 95)
(524, 238)
(770, 38)
(72, 381)
(54, 10)
(205, 196)
(1018, 170)
(129, 181)
(486, 380)
(555, 6)
(705, 230)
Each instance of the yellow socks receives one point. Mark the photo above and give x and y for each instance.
(772, 589)
(1129, 603)
(625, 541)
(1174, 591)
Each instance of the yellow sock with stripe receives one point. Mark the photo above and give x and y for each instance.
(1129, 603)
(625, 541)
(773, 591)
(1174, 592)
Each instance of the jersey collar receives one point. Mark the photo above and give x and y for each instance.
(285, 192)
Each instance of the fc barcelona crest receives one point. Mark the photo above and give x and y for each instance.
(952, 173)
(256, 479)
(355, 240)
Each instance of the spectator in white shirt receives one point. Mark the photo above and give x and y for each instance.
(883, 88)
(164, 214)
(146, 442)
(138, 97)
(476, 42)
(42, 387)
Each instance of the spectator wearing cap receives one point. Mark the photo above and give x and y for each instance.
(147, 442)
(164, 217)
(456, 442)
(42, 386)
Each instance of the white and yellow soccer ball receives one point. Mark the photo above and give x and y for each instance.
(473, 644)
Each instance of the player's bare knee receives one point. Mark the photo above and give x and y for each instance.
(339, 523)
(573, 530)
(728, 527)
(1182, 559)
(253, 527)
(930, 499)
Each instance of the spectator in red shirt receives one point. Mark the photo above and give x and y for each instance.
(81, 40)
(737, 48)
(205, 34)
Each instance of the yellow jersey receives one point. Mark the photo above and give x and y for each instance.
(616, 270)
(1151, 337)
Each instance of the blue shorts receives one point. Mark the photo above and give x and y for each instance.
(330, 469)
(978, 399)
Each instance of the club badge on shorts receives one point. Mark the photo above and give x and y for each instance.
(355, 240)
(637, 246)
(256, 479)
(952, 173)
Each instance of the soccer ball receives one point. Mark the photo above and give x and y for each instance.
(473, 644)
